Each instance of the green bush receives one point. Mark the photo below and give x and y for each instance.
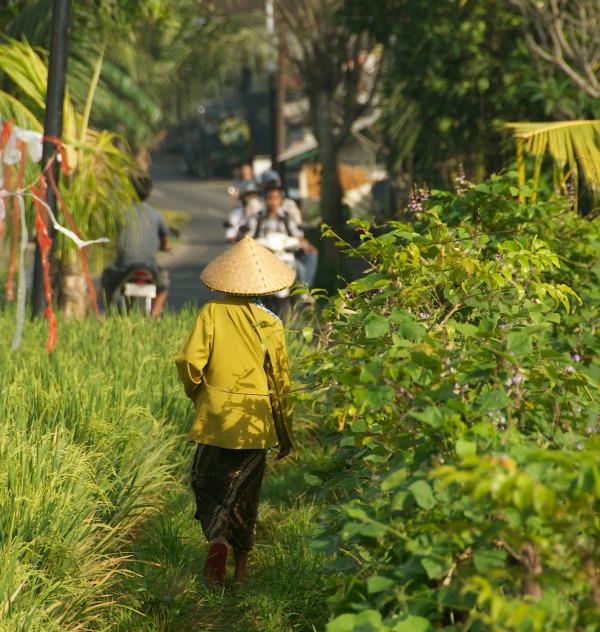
(460, 375)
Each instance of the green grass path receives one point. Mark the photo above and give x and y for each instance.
(97, 524)
(284, 591)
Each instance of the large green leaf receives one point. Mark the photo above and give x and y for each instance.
(572, 145)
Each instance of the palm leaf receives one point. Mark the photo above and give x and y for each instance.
(12, 108)
(26, 69)
(90, 97)
(572, 145)
(98, 185)
(120, 81)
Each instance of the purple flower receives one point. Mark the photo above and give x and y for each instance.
(576, 357)
(460, 182)
(415, 201)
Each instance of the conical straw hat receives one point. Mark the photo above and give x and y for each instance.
(247, 269)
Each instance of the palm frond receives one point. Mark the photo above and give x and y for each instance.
(32, 22)
(12, 108)
(26, 69)
(90, 96)
(123, 118)
(121, 82)
(571, 145)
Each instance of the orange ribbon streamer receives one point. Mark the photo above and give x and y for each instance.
(64, 165)
(7, 171)
(45, 243)
(6, 132)
(73, 227)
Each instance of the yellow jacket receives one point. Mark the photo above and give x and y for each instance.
(234, 367)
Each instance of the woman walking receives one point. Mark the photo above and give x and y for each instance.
(234, 367)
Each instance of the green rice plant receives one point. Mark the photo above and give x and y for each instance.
(96, 520)
(48, 526)
(86, 457)
(287, 592)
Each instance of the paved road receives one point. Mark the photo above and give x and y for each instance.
(202, 238)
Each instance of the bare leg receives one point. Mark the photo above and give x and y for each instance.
(214, 567)
(157, 305)
(241, 564)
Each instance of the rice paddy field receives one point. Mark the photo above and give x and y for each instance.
(96, 514)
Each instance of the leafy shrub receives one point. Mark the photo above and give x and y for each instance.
(461, 374)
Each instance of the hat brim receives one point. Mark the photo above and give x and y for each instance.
(247, 269)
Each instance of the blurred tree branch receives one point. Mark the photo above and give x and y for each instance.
(340, 70)
(566, 34)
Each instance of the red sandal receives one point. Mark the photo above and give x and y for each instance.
(214, 567)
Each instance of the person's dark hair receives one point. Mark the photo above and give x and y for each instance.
(273, 187)
(142, 186)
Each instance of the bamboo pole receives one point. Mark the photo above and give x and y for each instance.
(53, 122)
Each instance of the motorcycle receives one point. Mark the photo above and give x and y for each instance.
(282, 246)
(137, 289)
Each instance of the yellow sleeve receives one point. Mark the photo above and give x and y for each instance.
(194, 353)
(278, 374)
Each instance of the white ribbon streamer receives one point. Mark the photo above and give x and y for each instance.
(33, 140)
(65, 231)
(16, 343)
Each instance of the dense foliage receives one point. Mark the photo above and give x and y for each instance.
(459, 70)
(461, 371)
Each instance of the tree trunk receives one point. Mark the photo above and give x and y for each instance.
(73, 296)
(331, 189)
(530, 559)
(331, 260)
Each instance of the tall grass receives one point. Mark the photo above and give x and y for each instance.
(87, 453)
(96, 528)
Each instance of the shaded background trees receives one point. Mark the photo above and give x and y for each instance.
(160, 59)
(340, 70)
(459, 71)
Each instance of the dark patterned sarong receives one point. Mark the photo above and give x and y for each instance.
(226, 485)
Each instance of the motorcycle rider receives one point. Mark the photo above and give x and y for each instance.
(274, 220)
(141, 235)
(270, 178)
(250, 205)
(246, 178)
